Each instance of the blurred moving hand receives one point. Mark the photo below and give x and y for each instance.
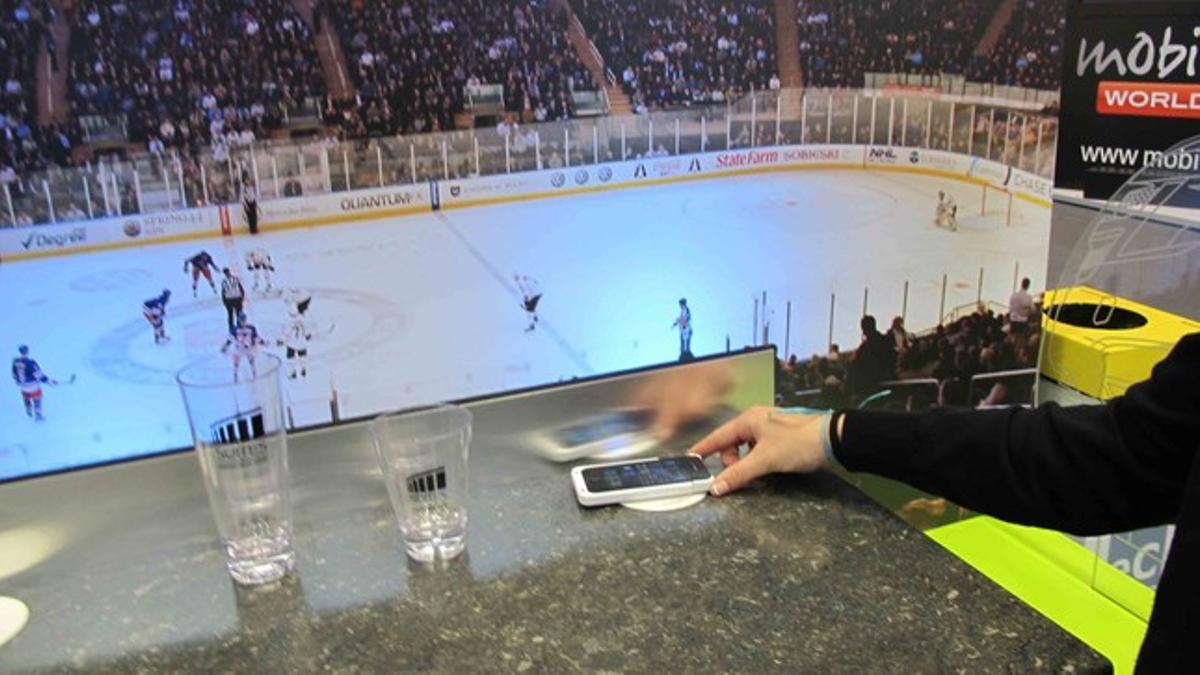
(779, 442)
(680, 396)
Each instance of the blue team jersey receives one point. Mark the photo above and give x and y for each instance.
(244, 337)
(158, 304)
(202, 260)
(685, 319)
(26, 371)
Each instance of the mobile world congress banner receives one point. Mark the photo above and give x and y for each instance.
(1131, 90)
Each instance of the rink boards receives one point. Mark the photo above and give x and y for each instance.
(360, 205)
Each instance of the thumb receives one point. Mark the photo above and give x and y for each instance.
(738, 475)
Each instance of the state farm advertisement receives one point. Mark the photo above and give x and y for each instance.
(1131, 91)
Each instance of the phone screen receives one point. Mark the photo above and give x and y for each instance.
(643, 474)
(603, 427)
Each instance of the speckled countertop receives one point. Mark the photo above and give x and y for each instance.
(122, 572)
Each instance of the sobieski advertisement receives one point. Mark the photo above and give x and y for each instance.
(1131, 90)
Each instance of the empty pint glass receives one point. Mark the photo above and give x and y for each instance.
(238, 428)
(423, 455)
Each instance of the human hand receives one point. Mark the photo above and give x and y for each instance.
(780, 442)
(681, 396)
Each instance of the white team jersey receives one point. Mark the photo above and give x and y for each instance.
(258, 259)
(297, 336)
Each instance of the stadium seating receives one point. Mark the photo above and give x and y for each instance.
(1029, 53)
(668, 53)
(190, 71)
(24, 145)
(840, 40)
(412, 60)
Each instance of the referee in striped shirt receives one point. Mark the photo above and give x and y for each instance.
(233, 294)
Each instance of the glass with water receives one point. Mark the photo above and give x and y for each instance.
(423, 455)
(238, 427)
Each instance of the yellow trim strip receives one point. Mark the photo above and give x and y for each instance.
(825, 166)
(410, 210)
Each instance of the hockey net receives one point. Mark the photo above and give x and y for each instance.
(998, 207)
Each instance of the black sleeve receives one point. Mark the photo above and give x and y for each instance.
(1085, 469)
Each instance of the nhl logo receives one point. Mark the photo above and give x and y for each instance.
(604, 174)
(915, 157)
(581, 177)
(131, 229)
(558, 179)
(455, 190)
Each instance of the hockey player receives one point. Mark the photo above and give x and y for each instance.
(531, 295)
(245, 341)
(946, 214)
(258, 262)
(297, 301)
(296, 339)
(684, 323)
(29, 378)
(202, 264)
(155, 311)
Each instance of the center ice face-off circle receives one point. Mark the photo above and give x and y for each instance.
(345, 325)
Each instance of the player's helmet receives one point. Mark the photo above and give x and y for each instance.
(166, 292)
(682, 302)
(23, 350)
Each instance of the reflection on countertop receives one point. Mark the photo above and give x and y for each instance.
(802, 573)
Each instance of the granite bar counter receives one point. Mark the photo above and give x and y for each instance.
(121, 568)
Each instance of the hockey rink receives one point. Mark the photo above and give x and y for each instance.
(425, 308)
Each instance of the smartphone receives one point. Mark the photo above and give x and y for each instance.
(614, 434)
(640, 479)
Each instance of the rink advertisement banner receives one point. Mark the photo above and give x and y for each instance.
(988, 171)
(1131, 89)
(642, 171)
(936, 160)
(104, 233)
(1030, 185)
(338, 207)
(316, 210)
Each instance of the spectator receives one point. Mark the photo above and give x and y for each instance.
(841, 40)
(416, 57)
(978, 343)
(679, 53)
(1029, 51)
(183, 68)
(1020, 309)
(292, 187)
(899, 337)
(874, 360)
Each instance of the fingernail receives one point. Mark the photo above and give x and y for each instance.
(719, 488)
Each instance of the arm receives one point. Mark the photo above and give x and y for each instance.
(1085, 469)
(39, 375)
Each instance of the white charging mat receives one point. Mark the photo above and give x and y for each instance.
(667, 504)
(13, 615)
